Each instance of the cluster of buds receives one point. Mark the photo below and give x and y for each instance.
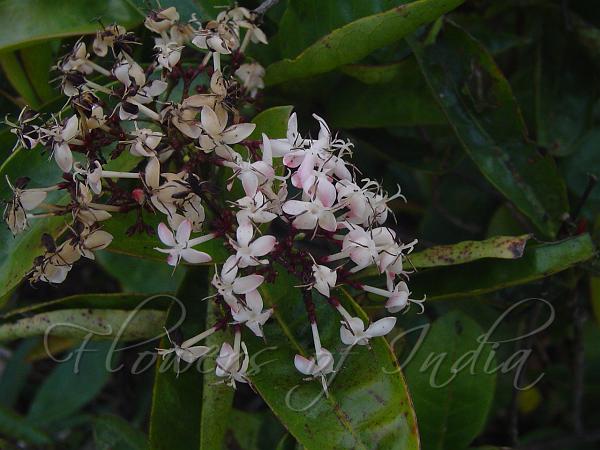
(282, 192)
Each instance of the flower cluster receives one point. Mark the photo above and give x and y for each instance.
(181, 123)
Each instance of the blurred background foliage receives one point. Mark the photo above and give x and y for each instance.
(489, 119)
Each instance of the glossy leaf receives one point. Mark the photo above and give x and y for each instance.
(141, 275)
(72, 384)
(582, 163)
(217, 399)
(451, 383)
(368, 404)
(177, 399)
(357, 39)
(481, 109)
(28, 70)
(358, 106)
(490, 275)
(113, 432)
(272, 122)
(52, 19)
(79, 323)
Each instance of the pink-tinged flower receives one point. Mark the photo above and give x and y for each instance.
(248, 253)
(181, 245)
(352, 331)
(229, 285)
(310, 214)
(251, 314)
(318, 366)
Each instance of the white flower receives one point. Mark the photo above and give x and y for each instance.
(254, 209)
(106, 38)
(398, 297)
(145, 142)
(93, 176)
(252, 175)
(228, 284)
(325, 279)
(218, 136)
(251, 76)
(168, 54)
(248, 253)
(59, 138)
(181, 245)
(23, 200)
(229, 364)
(77, 60)
(310, 214)
(316, 367)
(187, 351)
(91, 241)
(161, 21)
(251, 314)
(353, 330)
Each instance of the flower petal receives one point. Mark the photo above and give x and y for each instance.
(166, 235)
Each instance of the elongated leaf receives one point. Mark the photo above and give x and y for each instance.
(490, 275)
(79, 323)
(177, 400)
(14, 374)
(481, 108)
(217, 399)
(94, 301)
(450, 387)
(115, 433)
(357, 39)
(19, 428)
(368, 404)
(28, 70)
(396, 95)
(24, 22)
(503, 247)
(72, 384)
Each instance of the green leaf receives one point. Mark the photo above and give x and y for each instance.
(273, 122)
(114, 433)
(217, 399)
(24, 22)
(94, 301)
(72, 384)
(17, 427)
(481, 108)
(79, 323)
(490, 275)
(140, 275)
(355, 40)
(358, 106)
(504, 247)
(14, 374)
(177, 399)
(368, 404)
(28, 70)
(450, 387)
